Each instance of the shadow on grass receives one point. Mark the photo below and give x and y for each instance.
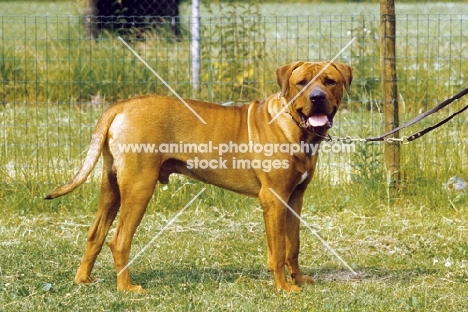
(371, 274)
(195, 275)
(187, 275)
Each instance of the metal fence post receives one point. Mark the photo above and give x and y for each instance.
(389, 87)
(195, 44)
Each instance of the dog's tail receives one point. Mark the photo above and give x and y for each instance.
(97, 143)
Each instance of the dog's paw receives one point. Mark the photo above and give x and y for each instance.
(302, 280)
(288, 288)
(133, 288)
(86, 280)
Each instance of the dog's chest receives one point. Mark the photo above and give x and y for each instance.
(303, 177)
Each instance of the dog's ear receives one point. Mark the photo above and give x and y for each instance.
(346, 72)
(283, 73)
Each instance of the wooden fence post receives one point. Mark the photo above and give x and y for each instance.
(389, 88)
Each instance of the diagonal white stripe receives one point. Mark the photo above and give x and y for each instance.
(160, 232)
(163, 81)
(315, 233)
(313, 79)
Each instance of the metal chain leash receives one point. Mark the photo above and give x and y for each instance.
(414, 136)
(348, 139)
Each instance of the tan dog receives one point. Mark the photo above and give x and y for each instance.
(235, 162)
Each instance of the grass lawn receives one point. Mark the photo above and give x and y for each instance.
(409, 255)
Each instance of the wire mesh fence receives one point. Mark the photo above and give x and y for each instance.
(56, 80)
(125, 14)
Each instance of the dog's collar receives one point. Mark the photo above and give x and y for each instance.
(284, 105)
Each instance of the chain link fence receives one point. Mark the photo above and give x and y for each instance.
(58, 73)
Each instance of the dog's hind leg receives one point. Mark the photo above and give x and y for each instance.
(109, 203)
(136, 188)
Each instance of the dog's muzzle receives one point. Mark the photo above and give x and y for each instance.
(315, 121)
(317, 97)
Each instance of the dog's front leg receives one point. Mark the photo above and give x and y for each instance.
(292, 236)
(274, 214)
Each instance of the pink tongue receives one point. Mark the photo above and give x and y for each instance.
(318, 121)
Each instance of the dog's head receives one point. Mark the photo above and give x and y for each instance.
(314, 91)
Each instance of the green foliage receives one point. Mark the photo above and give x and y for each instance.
(367, 165)
(234, 57)
(365, 59)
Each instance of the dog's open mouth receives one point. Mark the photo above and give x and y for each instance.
(317, 121)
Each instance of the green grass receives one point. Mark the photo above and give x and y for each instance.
(410, 249)
(409, 255)
(408, 246)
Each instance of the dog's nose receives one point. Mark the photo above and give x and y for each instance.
(317, 96)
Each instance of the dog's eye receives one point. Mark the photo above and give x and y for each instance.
(302, 83)
(330, 82)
